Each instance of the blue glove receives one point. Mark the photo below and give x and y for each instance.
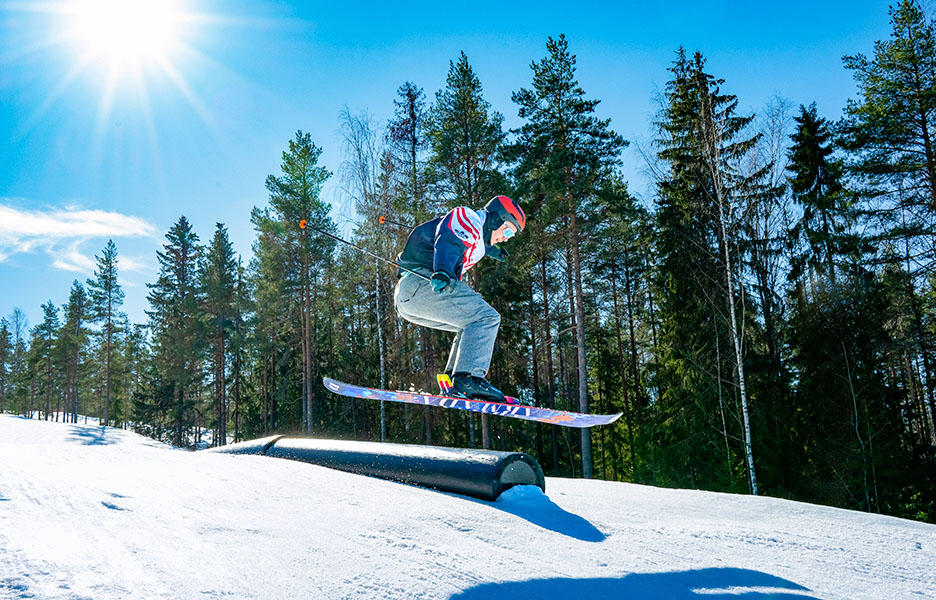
(497, 253)
(439, 281)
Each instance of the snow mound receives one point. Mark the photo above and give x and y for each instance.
(87, 512)
(523, 495)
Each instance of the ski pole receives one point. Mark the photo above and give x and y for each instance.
(384, 220)
(304, 224)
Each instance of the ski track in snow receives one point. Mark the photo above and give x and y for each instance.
(91, 513)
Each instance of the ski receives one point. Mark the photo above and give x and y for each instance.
(501, 409)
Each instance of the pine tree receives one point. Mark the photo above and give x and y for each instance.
(465, 135)
(563, 153)
(891, 135)
(218, 277)
(622, 264)
(299, 254)
(240, 345)
(892, 129)
(106, 297)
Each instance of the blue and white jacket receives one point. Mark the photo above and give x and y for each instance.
(452, 243)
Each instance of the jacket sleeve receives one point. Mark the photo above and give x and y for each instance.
(457, 235)
(495, 252)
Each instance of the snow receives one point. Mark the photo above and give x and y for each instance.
(87, 512)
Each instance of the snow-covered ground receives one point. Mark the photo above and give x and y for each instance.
(106, 514)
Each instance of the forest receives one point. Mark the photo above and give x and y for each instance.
(766, 321)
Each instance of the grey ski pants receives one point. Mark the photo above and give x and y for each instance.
(458, 309)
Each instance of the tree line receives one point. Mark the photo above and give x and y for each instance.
(766, 321)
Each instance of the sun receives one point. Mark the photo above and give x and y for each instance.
(125, 33)
(136, 56)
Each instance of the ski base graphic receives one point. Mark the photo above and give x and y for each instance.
(501, 409)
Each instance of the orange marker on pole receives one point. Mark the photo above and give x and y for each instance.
(383, 220)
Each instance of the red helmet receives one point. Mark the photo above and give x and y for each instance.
(508, 210)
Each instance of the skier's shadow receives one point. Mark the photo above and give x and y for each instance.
(711, 584)
(530, 503)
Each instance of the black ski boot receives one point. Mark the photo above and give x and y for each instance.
(477, 388)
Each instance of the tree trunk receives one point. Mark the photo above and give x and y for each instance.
(580, 344)
(534, 359)
(265, 392)
(739, 355)
(307, 347)
(382, 353)
(920, 334)
(653, 324)
(620, 347)
(920, 90)
(550, 376)
(712, 141)
(635, 367)
(107, 367)
(222, 379)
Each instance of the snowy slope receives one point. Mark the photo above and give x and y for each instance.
(106, 514)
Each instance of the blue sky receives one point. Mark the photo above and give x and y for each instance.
(92, 147)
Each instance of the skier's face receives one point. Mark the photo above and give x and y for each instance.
(503, 233)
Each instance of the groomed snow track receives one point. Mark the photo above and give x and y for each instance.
(483, 474)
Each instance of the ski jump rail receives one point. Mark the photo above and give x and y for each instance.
(483, 474)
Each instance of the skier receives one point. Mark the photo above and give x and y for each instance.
(442, 250)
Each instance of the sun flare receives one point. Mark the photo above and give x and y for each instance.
(124, 33)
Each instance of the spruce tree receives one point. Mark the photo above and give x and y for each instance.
(6, 357)
(174, 322)
(42, 355)
(701, 141)
(134, 358)
(816, 183)
(857, 430)
(407, 141)
(74, 343)
(16, 389)
(106, 297)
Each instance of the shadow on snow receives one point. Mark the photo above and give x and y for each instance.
(94, 436)
(530, 503)
(701, 584)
